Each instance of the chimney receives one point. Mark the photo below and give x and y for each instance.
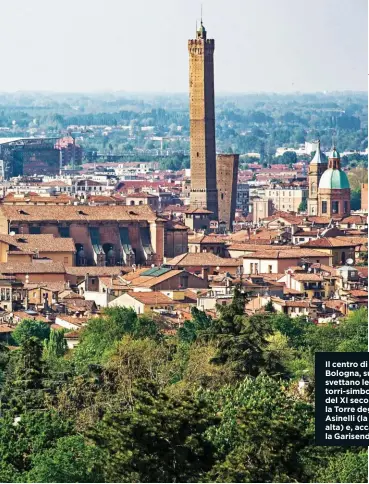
(205, 273)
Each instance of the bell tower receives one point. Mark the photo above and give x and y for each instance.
(316, 168)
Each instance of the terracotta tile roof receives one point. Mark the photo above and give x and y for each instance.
(329, 242)
(56, 286)
(78, 321)
(141, 195)
(296, 253)
(287, 290)
(94, 271)
(286, 216)
(78, 213)
(170, 225)
(202, 259)
(271, 277)
(72, 335)
(358, 293)
(102, 199)
(69, 294)
(154, 281)
(190, 295)
(198, 210)
(152, 297)
(113, 282)
(354, 240)
(319, 220)
(363, 271)
(29, 243)
(207, 239)
(35, 198)
(355, 219)
(5, 328)
(336, 304)
(307, 277)
(79, 305)
(32, 268)
(324, 268)
(252, 247)
(293, 304)
(25, 315)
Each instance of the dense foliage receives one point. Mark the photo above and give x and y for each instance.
(218, 402)
(244, 123)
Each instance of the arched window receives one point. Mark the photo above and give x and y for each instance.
(313, 188)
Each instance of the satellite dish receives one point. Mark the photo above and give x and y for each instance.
(12, 233)
(349, 262)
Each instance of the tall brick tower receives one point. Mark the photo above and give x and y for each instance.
(202, 123)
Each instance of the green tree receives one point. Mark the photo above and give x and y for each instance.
(345, 467)
(303, 206)
(242, 341)
(34, 432)
(262, 430)
(353, 331)
(55, 346)
(269, 307)
(355, 201)
(157, 439)
(28, 328)
(72, 459)
(24, 378)
(200, 322)
(102, 333)
(289, 158)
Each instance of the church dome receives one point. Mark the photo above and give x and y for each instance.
(334, 179)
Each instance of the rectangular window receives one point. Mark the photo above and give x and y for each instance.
(324, 207)
(64, 232)
(35, 230)
(270, 269)
(335, 206)
(345, 207)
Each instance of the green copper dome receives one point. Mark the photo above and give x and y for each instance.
(334, 180)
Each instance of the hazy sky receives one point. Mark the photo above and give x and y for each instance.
(141, 45)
